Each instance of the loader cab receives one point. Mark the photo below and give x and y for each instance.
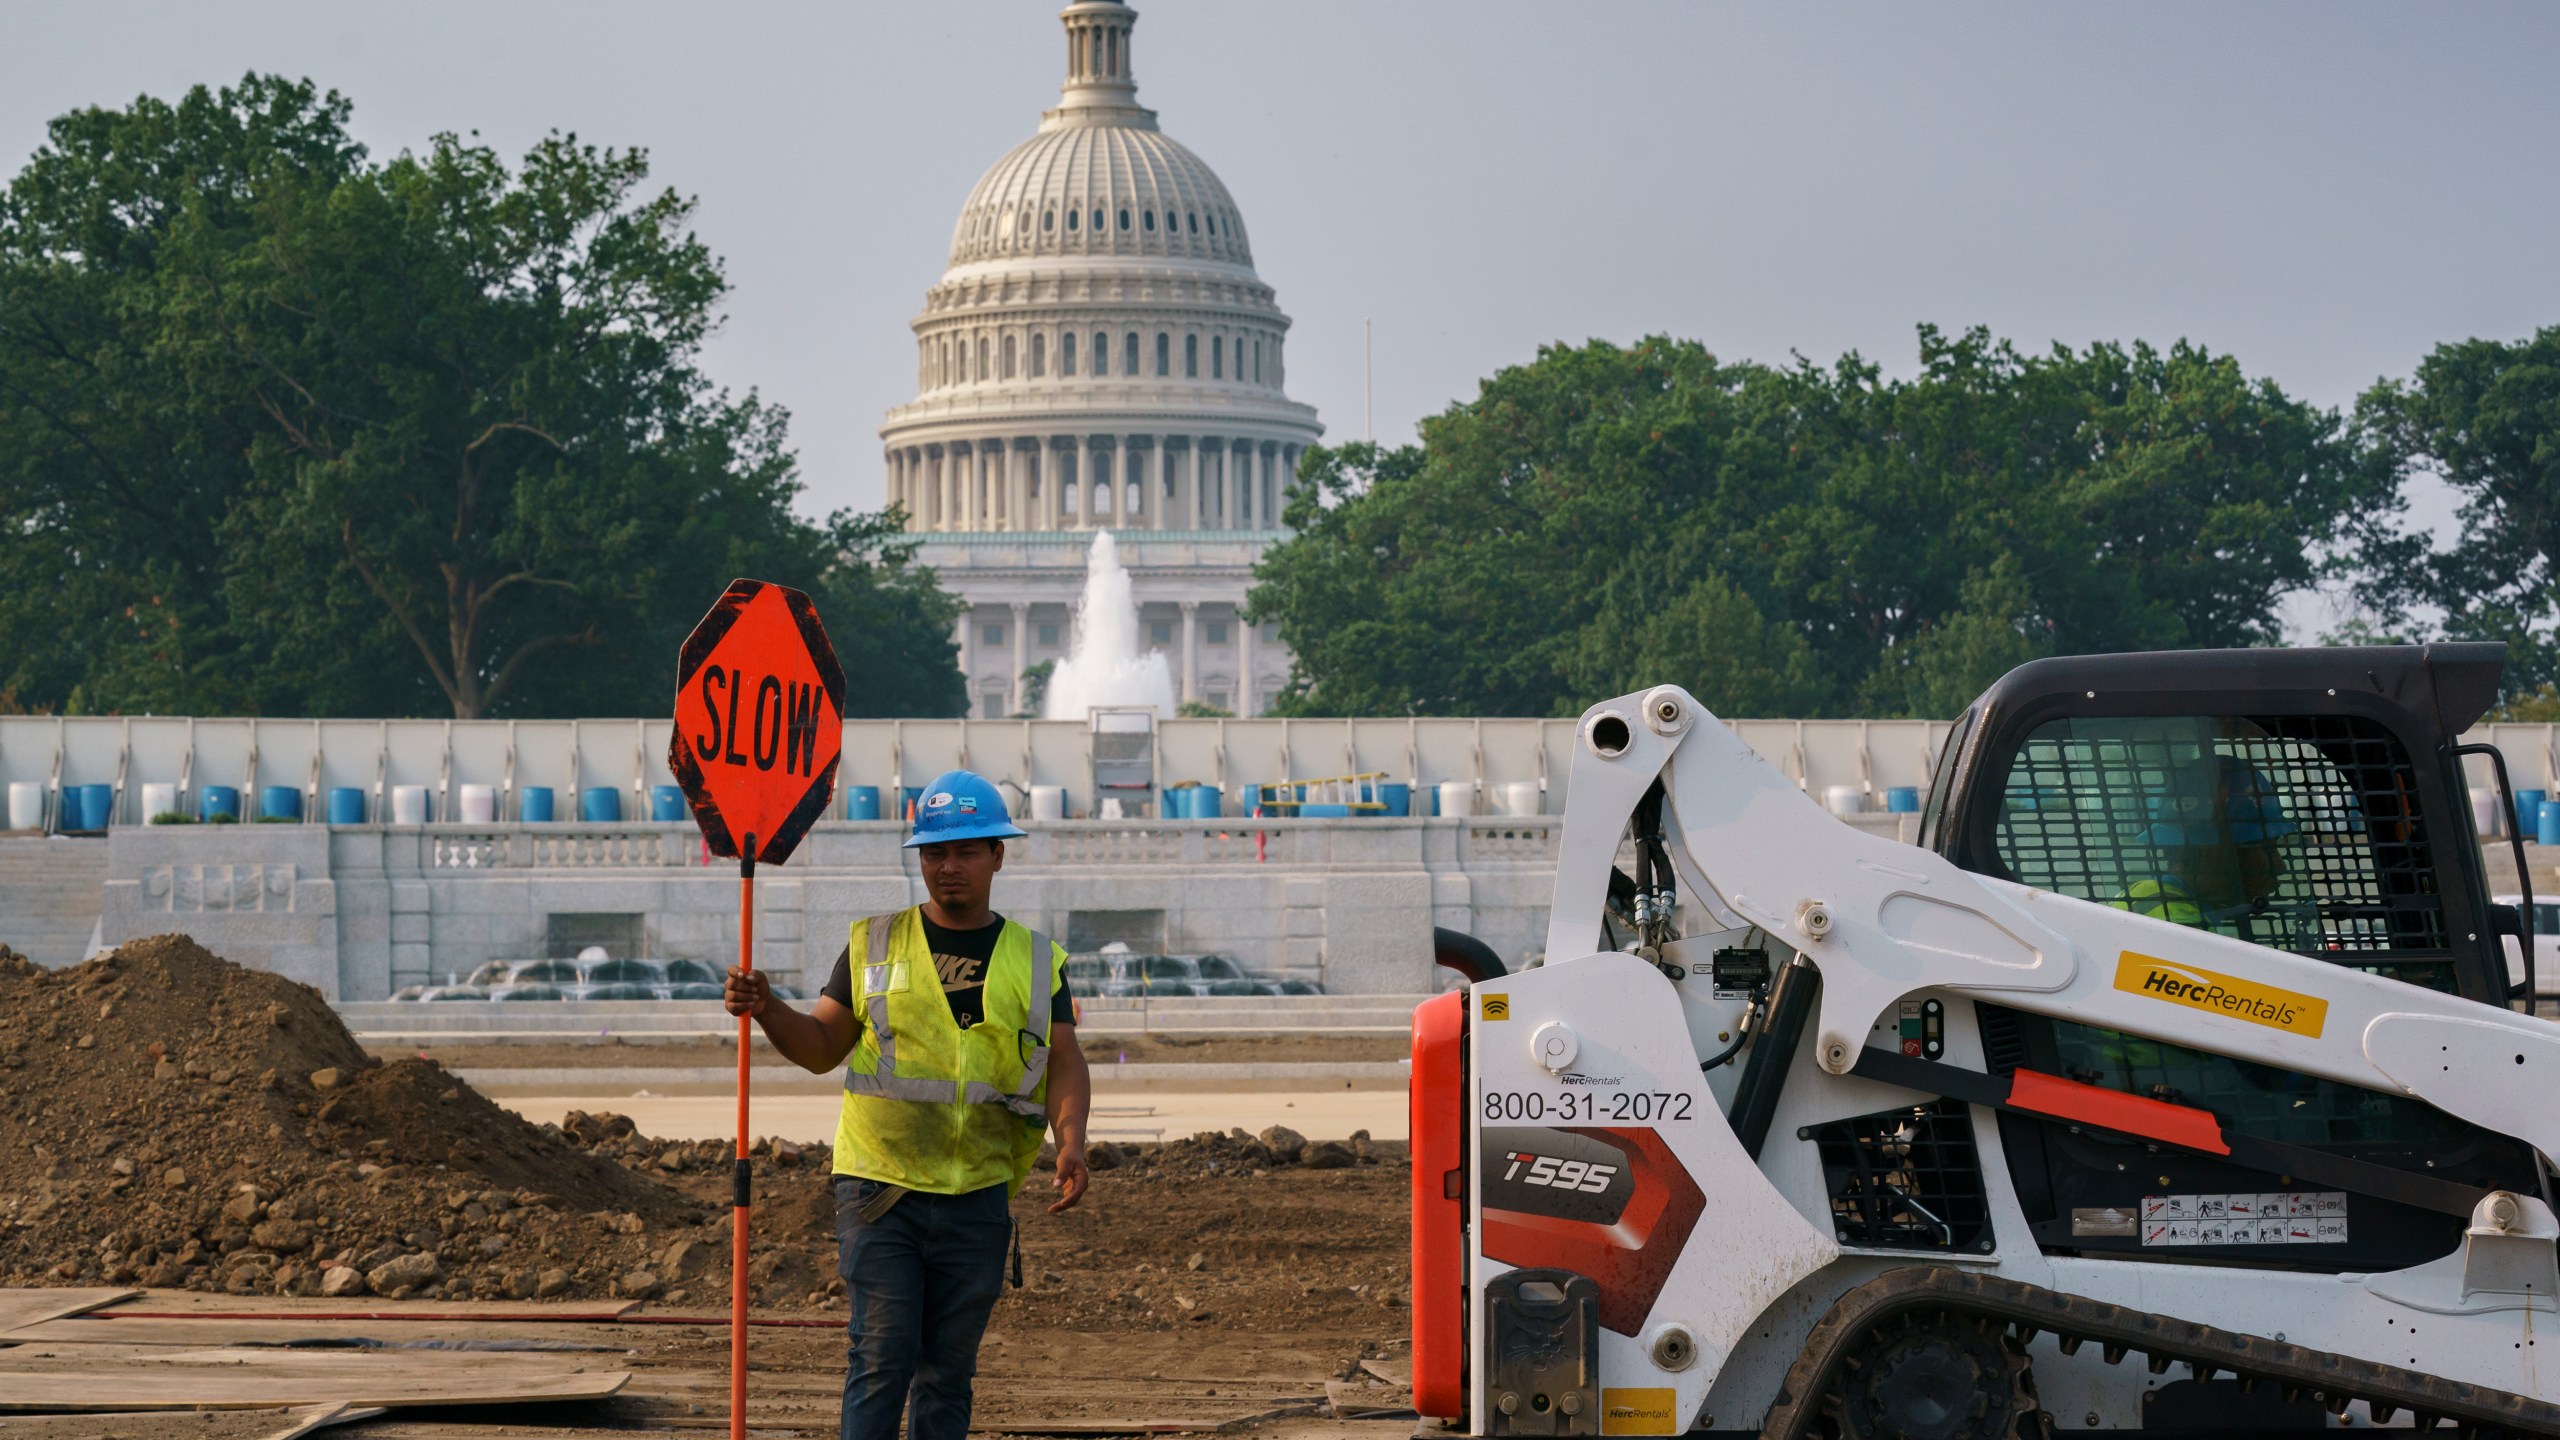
(2305, 800)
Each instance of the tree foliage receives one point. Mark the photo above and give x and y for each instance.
(2483, 416)
(1801, 540)
(289, 430)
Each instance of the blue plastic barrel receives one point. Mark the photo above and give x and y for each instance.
(2529, 810)
(1206, 803)
(600, 803)
(346, 805)
(2546, 830)
(862, 802)
(96, 805)
(1322, 811)
(534, 808)
(220, 800)
(1397, 797)
(279, 802)
(666, 802)
(1902, 800)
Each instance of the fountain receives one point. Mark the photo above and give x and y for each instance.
(1108, 667)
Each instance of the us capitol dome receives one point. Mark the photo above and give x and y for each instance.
(1100, 354)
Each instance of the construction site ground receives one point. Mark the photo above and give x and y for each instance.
(1033, 1381)
(212, 1138)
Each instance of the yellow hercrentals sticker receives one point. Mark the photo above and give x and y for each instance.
(1644, 1411)
(2179, 983)
(1494, 1007)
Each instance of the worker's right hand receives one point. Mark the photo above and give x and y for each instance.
(746, 992)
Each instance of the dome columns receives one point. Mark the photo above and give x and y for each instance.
(1099, 71)
(1126, 480)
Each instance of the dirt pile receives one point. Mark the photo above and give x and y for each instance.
(1237, 1152)
(175, 1119)
(170, 1119)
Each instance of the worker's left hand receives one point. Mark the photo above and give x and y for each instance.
(1072, 1178)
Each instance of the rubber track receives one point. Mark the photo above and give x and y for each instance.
(2334, 1380)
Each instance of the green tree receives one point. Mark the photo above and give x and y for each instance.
(891, 622)
(429, 435)
(123, 447)
(2484, 416)
(1802, 539)
(1035, 689)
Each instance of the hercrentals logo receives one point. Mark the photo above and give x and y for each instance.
(1646, 1411)
(2181, 984)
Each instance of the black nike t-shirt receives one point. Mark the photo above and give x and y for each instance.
(961, 957)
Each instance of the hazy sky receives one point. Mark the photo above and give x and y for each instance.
(2324, 190)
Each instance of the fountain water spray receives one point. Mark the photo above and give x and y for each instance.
(1108, 665)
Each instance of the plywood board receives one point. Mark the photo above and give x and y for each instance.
(1394, 1372)
(98, 1377)
(303, 1421)
(267, 1423)
(193, 1302)
(195, 1332)
(27, 1307)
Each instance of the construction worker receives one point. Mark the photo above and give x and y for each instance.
(947, 1089)
(2218, 853)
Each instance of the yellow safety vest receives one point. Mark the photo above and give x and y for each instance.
(928, 1105)
(2161, 900)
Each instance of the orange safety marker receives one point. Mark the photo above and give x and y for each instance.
(759, 732)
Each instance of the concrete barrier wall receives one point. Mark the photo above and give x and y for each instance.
(374, 756)
(362, 911)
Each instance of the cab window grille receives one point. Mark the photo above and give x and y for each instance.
(1906, 1179)
(2301, 833)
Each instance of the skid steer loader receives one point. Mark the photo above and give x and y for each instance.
(2171, 1084)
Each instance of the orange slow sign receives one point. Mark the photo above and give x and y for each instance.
(759, 720)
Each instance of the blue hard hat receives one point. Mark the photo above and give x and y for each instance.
(960, 805)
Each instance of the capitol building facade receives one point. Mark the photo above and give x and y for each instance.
(1100, 354)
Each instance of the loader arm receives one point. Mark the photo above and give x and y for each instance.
(1881, 920)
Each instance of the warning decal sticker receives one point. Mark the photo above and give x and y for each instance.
(2282, 1217)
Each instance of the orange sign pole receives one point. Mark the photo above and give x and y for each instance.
(759, 732)
(740, 1193)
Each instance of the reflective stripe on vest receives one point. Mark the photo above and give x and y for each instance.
(935, 1090)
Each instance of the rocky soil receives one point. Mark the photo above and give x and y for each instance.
(170, 1119)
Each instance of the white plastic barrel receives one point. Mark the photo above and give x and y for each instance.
(1457, 797)
(408, 804)
(26, 805)
(479, 804)
(1048, 802)
(1843, 799)
(159, 797)
(2485, 810)
(1520, 797)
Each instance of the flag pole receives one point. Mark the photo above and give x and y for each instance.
(740, 1178)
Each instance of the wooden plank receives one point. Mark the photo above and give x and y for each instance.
(195, 1332)
(158, 1303)
(29, 1307)
(1394, 1372)
(308, 1418)
(93, 1377)
(1102, 1425)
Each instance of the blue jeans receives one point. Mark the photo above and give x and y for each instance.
(922, 1280)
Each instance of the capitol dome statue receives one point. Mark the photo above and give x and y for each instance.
(1100, 355)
